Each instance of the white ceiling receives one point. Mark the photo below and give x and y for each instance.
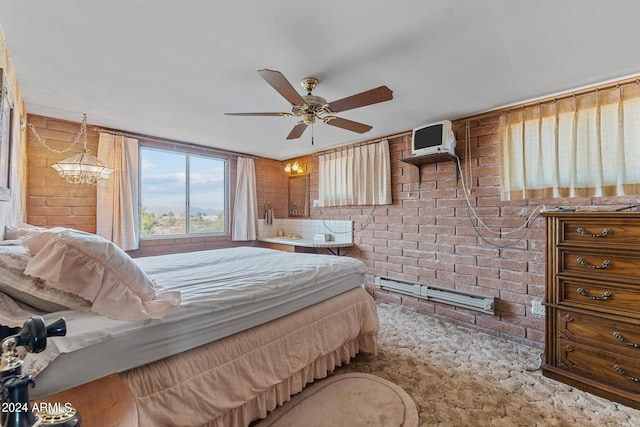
(171, 68)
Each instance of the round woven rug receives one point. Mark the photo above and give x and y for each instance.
(349, 400)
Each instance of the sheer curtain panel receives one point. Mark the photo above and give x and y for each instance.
(117, 216)
(358, 175)
(581, 146)
(245, 210)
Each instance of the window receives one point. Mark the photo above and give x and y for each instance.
(358, 175)
(579, 146)
(173, 184)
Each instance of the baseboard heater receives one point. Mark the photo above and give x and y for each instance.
(433, 293)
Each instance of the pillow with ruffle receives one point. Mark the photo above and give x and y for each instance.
(12, 232)
(94, 268)
(32, 291)
(35, 240)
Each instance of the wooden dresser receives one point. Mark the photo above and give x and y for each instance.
(593, 303)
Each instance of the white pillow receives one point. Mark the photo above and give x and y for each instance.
(32, 290)
(35, 240)
(12, 232)
(94, 268)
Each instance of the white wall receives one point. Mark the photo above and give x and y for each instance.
(14, 211)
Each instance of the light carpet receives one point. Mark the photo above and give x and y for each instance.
(347, 400)
(459, 377)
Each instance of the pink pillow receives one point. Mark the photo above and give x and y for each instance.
(93, 268)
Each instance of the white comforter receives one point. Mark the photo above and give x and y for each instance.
(223, 292)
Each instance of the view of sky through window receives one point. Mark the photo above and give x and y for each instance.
(166, 187)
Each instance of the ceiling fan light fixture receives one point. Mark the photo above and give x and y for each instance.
(309, 107)
(308, 118)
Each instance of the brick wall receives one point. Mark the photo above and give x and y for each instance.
(51, 200)
(271, 186)
(427, 236)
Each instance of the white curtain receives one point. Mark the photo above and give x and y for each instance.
(357, 175)
(117, 205)
(245, 210)
(582, 146)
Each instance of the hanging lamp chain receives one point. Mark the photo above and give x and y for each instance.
(82, 133)
(81, 168)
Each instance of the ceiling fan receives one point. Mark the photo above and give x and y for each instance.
(311, 107)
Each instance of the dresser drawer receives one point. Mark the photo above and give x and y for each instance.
(612, 264)
(611, 368)
(599, 231)
(592, 332)
(604, 297)
(615, 336)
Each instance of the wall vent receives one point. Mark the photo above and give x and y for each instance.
(433, 293)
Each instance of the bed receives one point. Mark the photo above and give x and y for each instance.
(227, 336)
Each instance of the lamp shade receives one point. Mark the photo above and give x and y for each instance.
(82, 168)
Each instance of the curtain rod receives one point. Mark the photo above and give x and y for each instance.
(359, 144)
(170, 141)
(551, 99)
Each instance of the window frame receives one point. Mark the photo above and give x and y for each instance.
(188, 152)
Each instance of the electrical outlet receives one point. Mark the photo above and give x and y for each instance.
(537, 308)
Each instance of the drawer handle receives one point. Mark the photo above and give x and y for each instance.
(623, 339)
(606, 263)
(624, 374)
(604, 296)
(604, 233)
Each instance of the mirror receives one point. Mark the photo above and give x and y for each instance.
(299, 196)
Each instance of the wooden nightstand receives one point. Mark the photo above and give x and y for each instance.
(105, 402)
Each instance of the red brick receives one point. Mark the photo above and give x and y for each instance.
(426, 236)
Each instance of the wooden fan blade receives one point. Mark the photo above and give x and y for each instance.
(297, 130)
(280, 83)
(348, 125)
(258, 114)
(372, 96)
